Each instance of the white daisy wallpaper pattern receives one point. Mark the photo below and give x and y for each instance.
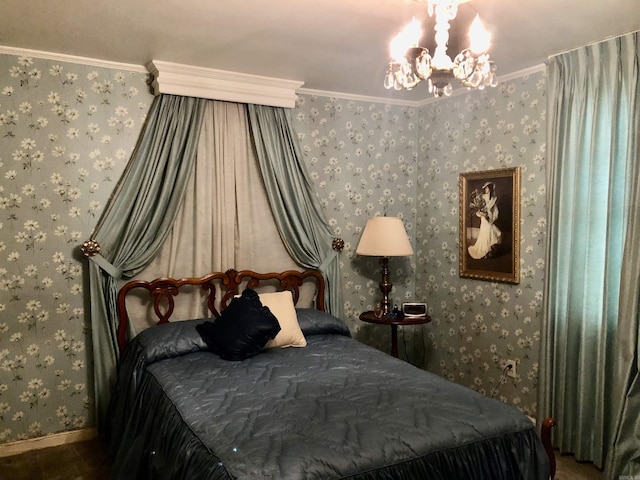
(67, 132)
(369, 159)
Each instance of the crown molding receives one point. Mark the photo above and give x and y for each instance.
(191, 81)
(236, 87)
(417, 103)
(187, 80)
(359, 98)
(61, 57)
(542, 67)
(502, 79)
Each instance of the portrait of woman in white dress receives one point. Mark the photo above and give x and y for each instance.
(489, 235)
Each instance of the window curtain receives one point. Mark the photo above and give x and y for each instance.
(136, 221)
(225, 219)
(623, 458)
(590, 329)
(306, 235)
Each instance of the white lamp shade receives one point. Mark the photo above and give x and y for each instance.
(384, 237)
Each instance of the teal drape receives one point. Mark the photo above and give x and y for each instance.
(623, 458)
(305, 233)
(593, 158)
(136, 221)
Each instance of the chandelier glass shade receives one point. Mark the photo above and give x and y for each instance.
(412, 64)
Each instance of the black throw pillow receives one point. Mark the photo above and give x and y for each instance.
(242, 329)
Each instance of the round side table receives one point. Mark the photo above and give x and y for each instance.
(370, 317)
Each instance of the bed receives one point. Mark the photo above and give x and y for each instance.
(331, 409)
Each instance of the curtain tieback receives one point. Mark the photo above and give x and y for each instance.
(328, 259)
(337, 245)
(91, 250)
(104, 264)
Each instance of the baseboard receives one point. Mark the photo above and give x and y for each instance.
(57, 439)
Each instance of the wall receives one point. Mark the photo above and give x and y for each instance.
(368, 159)
(477, 325)
(67, 132)
(362, 159)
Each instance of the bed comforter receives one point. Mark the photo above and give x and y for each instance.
(336, 409)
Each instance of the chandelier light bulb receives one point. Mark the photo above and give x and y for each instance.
(479, 36)
(408, 37)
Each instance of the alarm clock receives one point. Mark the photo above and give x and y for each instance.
(414, 309)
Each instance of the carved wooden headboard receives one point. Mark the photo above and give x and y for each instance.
(221, 287)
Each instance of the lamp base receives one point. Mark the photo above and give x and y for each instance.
(385, 286)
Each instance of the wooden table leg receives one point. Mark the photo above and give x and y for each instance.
(394, 340)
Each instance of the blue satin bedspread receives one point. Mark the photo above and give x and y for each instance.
(336, 409)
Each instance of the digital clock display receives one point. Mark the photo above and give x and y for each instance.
(414, 309)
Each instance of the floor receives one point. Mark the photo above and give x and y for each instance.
(89, 461)
(86, 460)
(568, 469)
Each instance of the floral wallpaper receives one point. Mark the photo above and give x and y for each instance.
(67, 132)
(362, 159)
(478, 325)
(369, 159)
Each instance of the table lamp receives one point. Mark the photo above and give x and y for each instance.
(385, 237)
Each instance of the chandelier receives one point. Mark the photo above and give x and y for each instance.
(411, 63)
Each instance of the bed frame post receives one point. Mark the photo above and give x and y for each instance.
(545, 434)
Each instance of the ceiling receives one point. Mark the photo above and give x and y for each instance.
(339, 46)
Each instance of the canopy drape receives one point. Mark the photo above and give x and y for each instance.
(590, 329)
(306, 234)
(138, 218)
(146, 202)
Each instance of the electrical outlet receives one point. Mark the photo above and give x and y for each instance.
(511, 372)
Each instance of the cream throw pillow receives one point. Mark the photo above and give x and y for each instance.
(282, 307)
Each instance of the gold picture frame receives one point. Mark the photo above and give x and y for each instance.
(489, 226)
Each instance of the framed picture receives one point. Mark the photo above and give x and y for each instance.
(490, 225)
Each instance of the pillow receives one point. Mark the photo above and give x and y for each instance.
(281, 305)
(315, 322)
(167, 340)
(242, 329)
